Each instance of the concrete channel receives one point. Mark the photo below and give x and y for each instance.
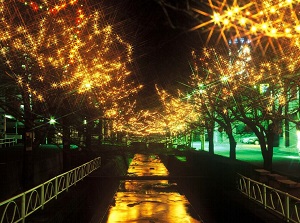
(152, 198)
(132, 187)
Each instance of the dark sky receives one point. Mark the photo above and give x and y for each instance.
(161, 52)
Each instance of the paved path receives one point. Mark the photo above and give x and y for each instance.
(285, 160)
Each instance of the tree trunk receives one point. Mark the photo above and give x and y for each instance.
(28, 137)
(286, 128)
(88, 135)
(267, 151)
(268, 158)
(202, 138)
(232, 143)
(66, 144)
(28, 160)
(100, 131)
(210, 135)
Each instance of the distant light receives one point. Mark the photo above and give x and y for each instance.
(263, 88)
(9, 116)
(224, 78)
(298, 140)
(52, 121)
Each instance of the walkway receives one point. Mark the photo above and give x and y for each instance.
(286, 160)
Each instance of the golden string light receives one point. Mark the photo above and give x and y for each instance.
(241, 79)
(255, 20)
(87, 58)
(178, 113)
(61, 48)
(175, 116)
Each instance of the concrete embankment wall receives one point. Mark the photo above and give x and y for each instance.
(47, 164)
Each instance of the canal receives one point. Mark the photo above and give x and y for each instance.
(149, 196)
(151, 188)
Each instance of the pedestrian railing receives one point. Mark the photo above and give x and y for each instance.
(7, 142)
(278, 202)
(17, 208)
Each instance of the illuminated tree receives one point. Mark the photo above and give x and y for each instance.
(272, 29)
(178, 114)
(263, 22)
(248, 88)
(60, 59)
(76, 54)
(214, 75)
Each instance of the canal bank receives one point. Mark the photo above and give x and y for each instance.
(208, 182)
(88, 199)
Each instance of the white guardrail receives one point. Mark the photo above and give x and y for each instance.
(7, 142)
(278, 202)
(17, 208)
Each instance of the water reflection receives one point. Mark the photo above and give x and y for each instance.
(149, 200)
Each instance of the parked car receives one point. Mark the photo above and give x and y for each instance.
(250, 140)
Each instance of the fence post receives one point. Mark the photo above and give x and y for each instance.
(83, 171)
(67, 181)
(23, 207)
(95, 163)
(43, 196)
(265, 196)
(287, 207)
(248, 188)
(75, 175)
(80, 171)
(56, 187)
(88, 168)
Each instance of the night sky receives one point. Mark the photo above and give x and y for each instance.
(161, 52)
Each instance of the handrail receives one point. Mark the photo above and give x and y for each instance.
(17, 208)
(9, 141)
(278, 202)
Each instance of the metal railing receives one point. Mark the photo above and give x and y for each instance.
(278, 202)
(17, 208)
(7, 142)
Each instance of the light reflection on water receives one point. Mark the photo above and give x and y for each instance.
(149, 201)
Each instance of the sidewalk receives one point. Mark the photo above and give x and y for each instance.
(286, 160)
